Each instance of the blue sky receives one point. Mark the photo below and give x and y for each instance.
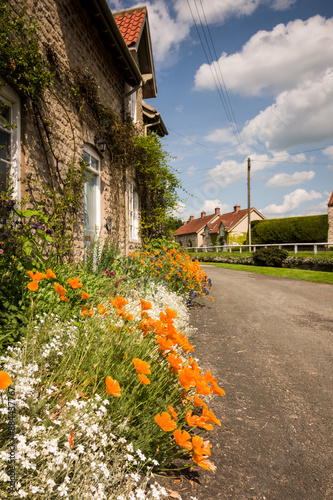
(272, 61)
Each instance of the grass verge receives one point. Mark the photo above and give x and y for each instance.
(297, 274)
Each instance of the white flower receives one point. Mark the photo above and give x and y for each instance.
(136, 477)
(63, 490)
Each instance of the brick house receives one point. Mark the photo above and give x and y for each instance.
(230, 228)
(83, 39)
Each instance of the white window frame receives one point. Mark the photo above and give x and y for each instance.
(9, 97)
(133, 212)
(132, 105)
(92, 153)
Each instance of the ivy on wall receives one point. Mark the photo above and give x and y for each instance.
(33, 75)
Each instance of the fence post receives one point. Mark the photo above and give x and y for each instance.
(240, 249)
(295, 249)
(315, 249)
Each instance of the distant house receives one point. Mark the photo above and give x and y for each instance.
(216, 229)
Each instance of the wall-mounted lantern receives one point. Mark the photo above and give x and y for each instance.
(100, 144)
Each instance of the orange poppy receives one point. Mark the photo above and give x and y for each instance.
(202, 387)
(198, 401)
(59, 289)
(165, 345)
(203, 462)
(212, 299)
(172, 412)
(165, 422)
(50, 274)
(217, 390)
(112, 387)
(145, 305)
(141, 366)
(37, 276)
(75, 282)
(195, 421)
(210, 416)
(182, 439)
(85, 295)
(102, 310)
(186, 377)
(5, 380)
(33, 286)
(71, 439)
(85, 311)
(175, 362)
(209, 378)
(63, 298)
(143, 379)
(170, 313)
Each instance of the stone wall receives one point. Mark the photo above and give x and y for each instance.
(72, 43)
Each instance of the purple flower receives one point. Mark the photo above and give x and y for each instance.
(42, 228)
(48, 231)
(1, 251)
(35, 226)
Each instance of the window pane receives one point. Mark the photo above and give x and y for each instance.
(4, 145)
(3, 175)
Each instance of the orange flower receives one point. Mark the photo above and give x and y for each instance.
(209, 378)
(165, 345)
(102, 310)
(71, 439)
(85, 295)
(145, 305)
(186, 377)
(195, 421)
(141, 366)
(63, 298)
(50, 274)
(165, 422)
(203, 462)
(59, 289)
(170, 313)
(182, 439)
(202, 387)
(212, 299)
(5, 380)
(74, 283)
(85, 311)
(198, 401)
(119, 302)
(143, 379)
(210, 417)
(37, 276)
(172, 411)
(217, 390)
(175, 363)
(33, 286)
(112, 387)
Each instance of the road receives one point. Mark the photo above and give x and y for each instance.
(269, 341)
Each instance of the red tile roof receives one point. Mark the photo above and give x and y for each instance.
(130, 23)
(194, 226)
(228, 220)
(330, 201)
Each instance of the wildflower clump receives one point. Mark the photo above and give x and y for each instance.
(115, 388)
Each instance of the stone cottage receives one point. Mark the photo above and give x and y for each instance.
(103, 67)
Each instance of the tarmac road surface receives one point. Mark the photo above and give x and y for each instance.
(269, 342)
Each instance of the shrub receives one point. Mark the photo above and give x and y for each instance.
(269, 257)
(310, 229)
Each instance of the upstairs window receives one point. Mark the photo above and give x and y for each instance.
(9, 140)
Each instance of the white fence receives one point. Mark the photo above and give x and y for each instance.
(253, 248)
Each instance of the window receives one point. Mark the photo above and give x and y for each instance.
(9, 140)
(92, 203)
(133, 213)
(132, 106)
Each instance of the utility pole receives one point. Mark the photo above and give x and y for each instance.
(249, 202)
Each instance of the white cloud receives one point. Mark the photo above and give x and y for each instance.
(329, 152)
(282, 4)
(273, 61)
(210, 205)
(283, 180)
(291, 202)
(216, 11)
(299, 116)
(221, 135)
(191, 170)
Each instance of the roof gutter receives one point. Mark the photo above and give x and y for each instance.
(103, 14)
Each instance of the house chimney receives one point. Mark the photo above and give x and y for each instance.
(217, 211)
(191, 218)
(203, 214)
(184, 222)
(237, 208)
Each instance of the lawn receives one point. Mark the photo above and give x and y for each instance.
(297, 274)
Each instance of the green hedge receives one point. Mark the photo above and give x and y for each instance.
(309, 229)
